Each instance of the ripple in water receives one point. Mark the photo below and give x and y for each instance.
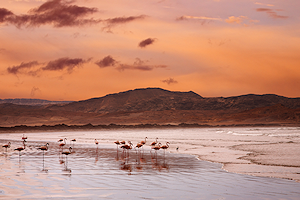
(95, 172)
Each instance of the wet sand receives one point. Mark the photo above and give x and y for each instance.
(93, 172)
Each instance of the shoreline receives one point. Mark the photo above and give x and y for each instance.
(251, 155)
(86, 127)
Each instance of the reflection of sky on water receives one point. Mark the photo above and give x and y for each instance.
(103, 172)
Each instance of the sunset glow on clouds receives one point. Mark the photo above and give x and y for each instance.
(80, 49)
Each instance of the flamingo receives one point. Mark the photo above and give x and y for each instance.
(164, 147)
(44, 148)
(20, 148)
(62, 144)
(7, 146)
(156, 148)
(144, 142)
(154, 143)
(139, 145)
(117, 143)
(60, 140)
(96, 142)
(127, 147)
(67, 153)
(123, 142)
(24, 138)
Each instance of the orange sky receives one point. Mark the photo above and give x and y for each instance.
(76, 50)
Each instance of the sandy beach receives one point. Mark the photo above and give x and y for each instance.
(247, 163)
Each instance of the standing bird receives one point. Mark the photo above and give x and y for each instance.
(67, 153)
(24, 137)
(139, 145)
(6, 146)
(164, 147)
(44, 148)
(20, 148)
(117, 143)
(96, 142)
(144, 141)
(127, 147)
(154, 143)
(61, 145)
(156, 148)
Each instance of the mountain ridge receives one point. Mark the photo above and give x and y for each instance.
(157, 106)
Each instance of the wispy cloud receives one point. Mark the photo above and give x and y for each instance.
(271, 13)
(34, 90)
(146, 42)
(232, 19)
(23, 68)
(186, 17)
(240, 20)
(139, 64)
(64, 63)
(120, 20)
(33, 68)
(201, 19)
(264, 4)
(170, 81)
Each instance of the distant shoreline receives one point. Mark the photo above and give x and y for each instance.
(64, 127)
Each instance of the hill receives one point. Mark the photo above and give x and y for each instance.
(158, 106)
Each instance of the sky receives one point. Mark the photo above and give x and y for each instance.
(81, 49)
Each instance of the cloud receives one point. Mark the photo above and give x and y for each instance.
(61, 13)
(146, 42)
(139, 64)
(120, 20)
(201, 19)
(240, 20)
(233, 19)
(185, 17)
(34, 90)
(271, 13)
(5, 14)
(264, 4)
(58, 13)
(169, 81)
(22, 68)
(106, 62)
(64, 63)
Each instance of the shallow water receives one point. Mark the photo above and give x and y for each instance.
(93, 172)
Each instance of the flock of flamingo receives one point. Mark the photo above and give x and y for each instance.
(154, 146)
